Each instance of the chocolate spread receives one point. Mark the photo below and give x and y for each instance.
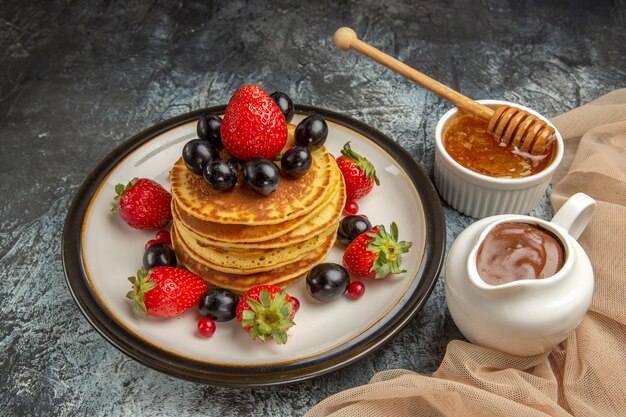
(514, 251)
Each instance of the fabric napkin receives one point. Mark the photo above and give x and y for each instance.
(583, 376)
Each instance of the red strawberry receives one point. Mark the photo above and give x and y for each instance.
(143, 204)
(375, 254)
(358, 173)
(165, 291)
(253, 125)
(266, 311)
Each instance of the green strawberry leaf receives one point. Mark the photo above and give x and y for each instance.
(280, 336)
(264, 297)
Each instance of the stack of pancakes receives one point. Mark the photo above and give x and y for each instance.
(239, 239)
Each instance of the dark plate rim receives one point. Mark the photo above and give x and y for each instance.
(265, 375)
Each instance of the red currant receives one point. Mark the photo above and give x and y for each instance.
(151, 243)
(206, 327)
(351, 208)
(355, 290)
(296, 304)
(163, 236)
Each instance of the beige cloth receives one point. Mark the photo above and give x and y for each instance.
(583, 376)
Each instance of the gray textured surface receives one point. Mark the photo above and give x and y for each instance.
(79, 78)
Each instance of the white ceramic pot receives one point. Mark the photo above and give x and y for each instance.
(524, 317)
(479, 195)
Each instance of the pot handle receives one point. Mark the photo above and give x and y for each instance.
(575, 214)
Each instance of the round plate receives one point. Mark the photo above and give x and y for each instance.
(100, 251)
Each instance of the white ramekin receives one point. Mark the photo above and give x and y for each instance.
(479, 195)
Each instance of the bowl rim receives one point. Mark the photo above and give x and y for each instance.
(497, 181)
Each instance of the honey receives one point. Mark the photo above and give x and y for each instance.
(468, 142)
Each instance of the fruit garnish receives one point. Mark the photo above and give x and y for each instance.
(355, 290)
(352, 226)
(327, 281)
(266, 311)
(163, 236)
(197, 153)
(165, 291)
(375, 254)
(220, 175)
(296, 161)
(351, 208)
(158, 254)
(358, 173)
(284, 103)
(253, 125)
(218, 304)
(143, 204)
(261, 175)
(296, 304)
(208, 128)
(206, 327)
(311, 132)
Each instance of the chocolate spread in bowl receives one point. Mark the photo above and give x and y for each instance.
(514, 251)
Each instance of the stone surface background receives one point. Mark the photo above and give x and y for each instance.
(79, 78)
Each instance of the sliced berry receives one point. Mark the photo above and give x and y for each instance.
(261, 175)
(218, 304)
(284, 103)
(350, 227)
(197, 153)
(209, 129)
(312, 132)
(220, 175)
(296, 161)
(327, 281)
(206, 327)
(164, 236)
(351, 208)
(158, 254)
(355, 290)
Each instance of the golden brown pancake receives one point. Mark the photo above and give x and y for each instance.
(292, 199)
(246, 238)
(241, 283)
(257, 260)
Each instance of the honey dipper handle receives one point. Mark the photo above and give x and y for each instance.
(345, 38)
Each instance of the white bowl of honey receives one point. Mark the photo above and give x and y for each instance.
(481, 177)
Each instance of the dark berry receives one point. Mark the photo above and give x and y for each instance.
(220, 175)
(284, 103)
(327, 281)
(352, 226)
(158, 254)
(218, 304)
(351, 208)
(206, 327)
(197, 153)
(296, 161)
(209, 129)
(355, 290)
(261, 175)
(312, 132)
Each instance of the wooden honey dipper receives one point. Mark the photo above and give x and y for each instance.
(513, 126)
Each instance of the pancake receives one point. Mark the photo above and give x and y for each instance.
(250, 235)
(241, 283)
(248, 262)
(292, 199)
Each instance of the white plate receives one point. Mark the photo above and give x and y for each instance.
(101, 251)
